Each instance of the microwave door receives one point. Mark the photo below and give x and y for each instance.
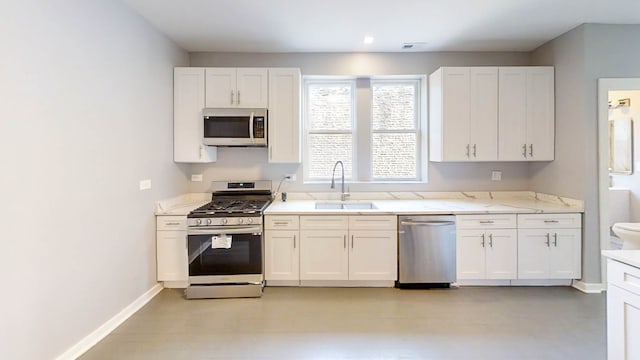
(227, 130)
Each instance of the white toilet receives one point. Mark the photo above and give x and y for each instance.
(629, 233)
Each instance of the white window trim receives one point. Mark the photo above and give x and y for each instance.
(367, 126)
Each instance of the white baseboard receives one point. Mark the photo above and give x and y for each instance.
(589, 288)
(100, 333)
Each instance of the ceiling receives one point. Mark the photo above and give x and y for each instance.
(341, 25)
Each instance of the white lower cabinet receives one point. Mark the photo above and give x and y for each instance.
(330, 248)
(549, 246)
(486, 247)
(171, 251)
(623, 311)
(282, 250)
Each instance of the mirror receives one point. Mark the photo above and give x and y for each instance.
(621, 146)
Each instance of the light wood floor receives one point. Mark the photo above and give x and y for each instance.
(365, 323)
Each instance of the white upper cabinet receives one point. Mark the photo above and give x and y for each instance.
(492, 114)
(526, 114)
(236, 87)
(464, 114)
(284, 116)
(188, 101)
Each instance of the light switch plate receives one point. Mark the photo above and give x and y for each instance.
(145, 184)
(196, 177)
(496, 175)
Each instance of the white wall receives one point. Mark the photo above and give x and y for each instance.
(581, 56)
(86, 112)
(252, 163)
(631, 182)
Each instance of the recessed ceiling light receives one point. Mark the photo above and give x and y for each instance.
(368, 39)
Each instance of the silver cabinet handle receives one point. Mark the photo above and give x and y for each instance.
(474, 150)
(467, 150)
(351, 241)
(270, 153)
(486, 221)
(531, 150)
(555, 239)
(345, 241)
(482, 240)
(231, 97)
(551, 221)
(547, 242)
(491, 240)
(524, 151)
(294, 241)
(172, 223)
(238, 97)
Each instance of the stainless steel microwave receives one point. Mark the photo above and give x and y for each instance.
(235, 127)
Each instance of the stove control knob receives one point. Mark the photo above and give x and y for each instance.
(249, 221)
(239, 221)
(224, 221)
(198, 221)
(208, 221)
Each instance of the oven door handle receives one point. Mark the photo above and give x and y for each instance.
(227, 231)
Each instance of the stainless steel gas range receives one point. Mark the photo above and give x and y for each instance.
(225, 241)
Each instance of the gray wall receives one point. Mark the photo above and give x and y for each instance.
(581, 56)
(252, 163)
(86, 113)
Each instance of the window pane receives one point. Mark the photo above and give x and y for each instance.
(325, 150)
(394, 156)
(330, 107)
(393, 106)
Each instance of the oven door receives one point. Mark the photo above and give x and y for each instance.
(235, 127)
(210, 262)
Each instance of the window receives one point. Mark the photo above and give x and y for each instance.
(377, 140)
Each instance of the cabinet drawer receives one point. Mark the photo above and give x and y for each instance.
(274, 222)
(493, 221)
(549, 221)
(171, 223)
(389, 222)
(624, 276)
(324, 222)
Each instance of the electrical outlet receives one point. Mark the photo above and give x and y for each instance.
(496, 175)
(196, 177)
(292, 177)
(145, 184)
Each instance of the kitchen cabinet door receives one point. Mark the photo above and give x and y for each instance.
(470, 254)
(540, 113)
(373, 255)
(236, 88)
(533, 253)
(284, 116)
(188, 132)
(171, 252)
(565, 254)
(463, 114)
(502, 254)
(526, 113)
(282, 255)
(221, 88)
(324, 255)
(251, 88)
(483, 114)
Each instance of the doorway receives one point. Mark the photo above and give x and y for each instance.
(605, 87)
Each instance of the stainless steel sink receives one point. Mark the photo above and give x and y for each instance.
(352, 205)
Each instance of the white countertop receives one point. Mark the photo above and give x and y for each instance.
(629, 257)
(438, 203)
(182, 205)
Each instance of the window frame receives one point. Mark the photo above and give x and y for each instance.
(328, 81)
(362, 126)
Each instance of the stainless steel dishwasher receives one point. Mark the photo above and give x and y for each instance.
(426, 251)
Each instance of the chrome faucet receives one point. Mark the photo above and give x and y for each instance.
(343, 195)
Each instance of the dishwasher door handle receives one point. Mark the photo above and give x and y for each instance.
(427, 223)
